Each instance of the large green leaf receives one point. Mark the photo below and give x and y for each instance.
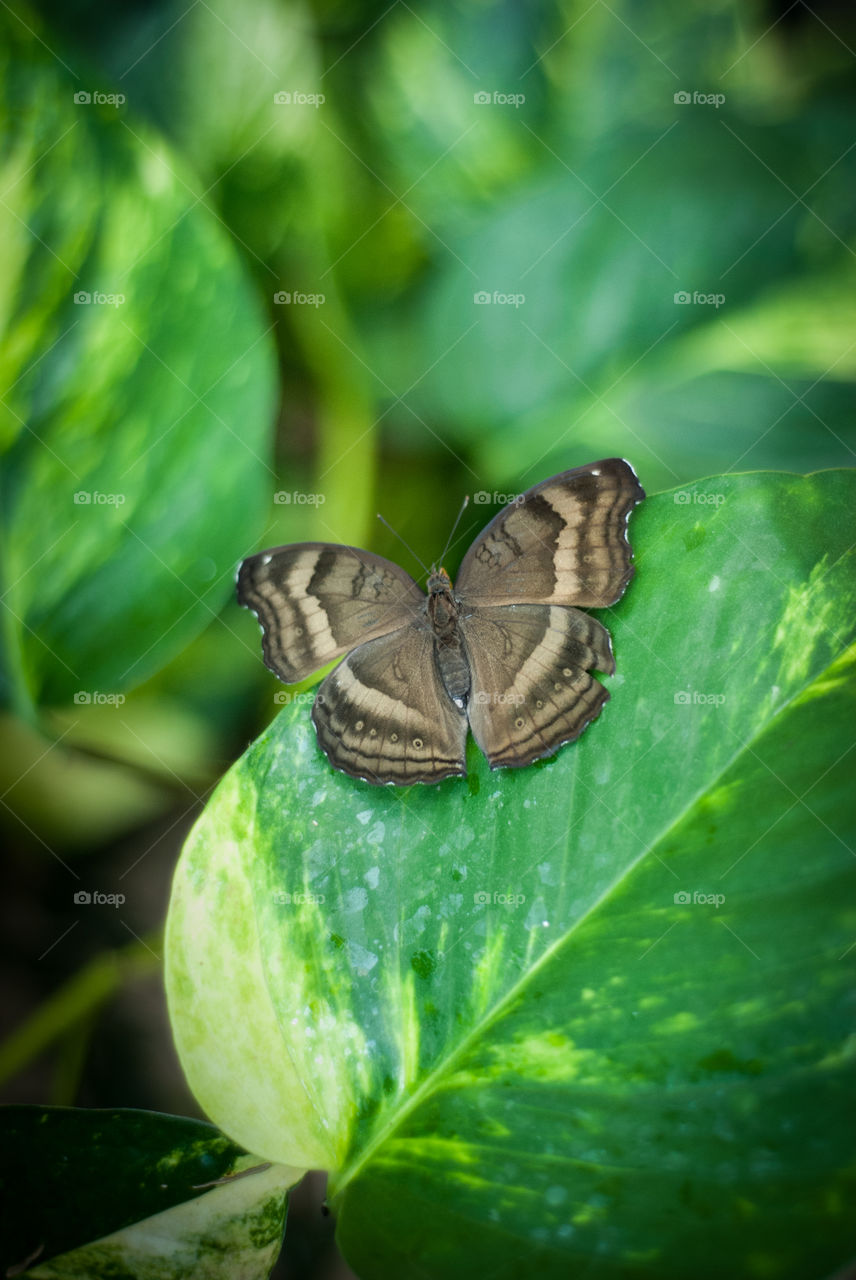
(577, 1015)
(109, 1193)
(134, 423)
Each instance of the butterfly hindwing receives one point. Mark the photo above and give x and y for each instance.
(562, 542)
(316, 600)
(384, 715)
(531, 688)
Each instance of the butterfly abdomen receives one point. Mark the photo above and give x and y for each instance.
(452, 662)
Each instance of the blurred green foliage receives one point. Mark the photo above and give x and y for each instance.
(586, 187)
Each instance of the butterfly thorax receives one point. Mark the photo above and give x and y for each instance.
(449, 650)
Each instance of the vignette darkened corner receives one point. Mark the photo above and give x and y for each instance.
(281, 998)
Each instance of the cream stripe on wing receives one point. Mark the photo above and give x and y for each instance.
(382, 705)
(312, 612)
(550, 646)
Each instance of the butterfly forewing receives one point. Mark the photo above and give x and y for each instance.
(531, 689)
(384, 715)
(316, 600)
(562, 542)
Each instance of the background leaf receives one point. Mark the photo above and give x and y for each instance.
(601, 1041)
(134, 475)
(138, 1183)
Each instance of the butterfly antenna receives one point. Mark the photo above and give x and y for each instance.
(403, 543)
(464, 506)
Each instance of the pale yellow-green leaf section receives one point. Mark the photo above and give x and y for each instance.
(215, 980)
(233, 1232)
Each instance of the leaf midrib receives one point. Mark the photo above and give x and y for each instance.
(338, 1184)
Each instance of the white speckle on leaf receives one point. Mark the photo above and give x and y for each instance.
(364, 817)
(536, 913)
(372, 877)
(420, 919)
(714, 583)
(548, 873)
(356, 900)
(377, 833)
(362, 960)
(555, 1195)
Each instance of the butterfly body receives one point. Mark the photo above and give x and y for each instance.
(450, 656)
(504, 652)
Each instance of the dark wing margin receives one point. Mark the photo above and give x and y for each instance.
(317, 600)
(562, 542)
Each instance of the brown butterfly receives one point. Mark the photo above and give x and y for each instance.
(502, 651)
